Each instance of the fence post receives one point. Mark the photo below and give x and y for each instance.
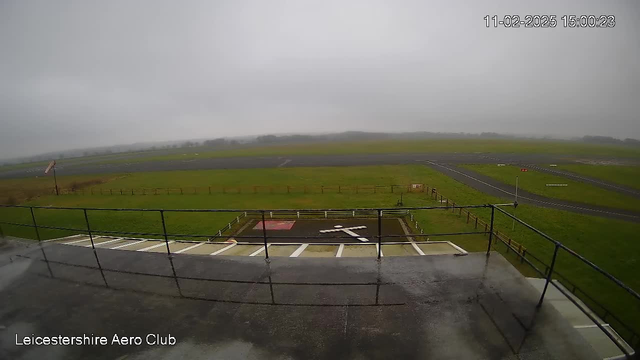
(110, 191)
(379, 234)
(339, 190)
(549, 274)
(321, 189)
(356, 189)
(468, 213)
(131, 191)
(493, 209)
(264, 235)
(181, 193)
(288, 189)
(209, 190)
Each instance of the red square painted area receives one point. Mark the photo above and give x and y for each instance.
(274, 225)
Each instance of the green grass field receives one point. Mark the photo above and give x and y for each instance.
(397, 146)
(606, 242)
(535, 182)
(623, 175)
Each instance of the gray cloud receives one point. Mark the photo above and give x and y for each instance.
(90, 73)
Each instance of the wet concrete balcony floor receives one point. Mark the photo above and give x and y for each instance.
(423, 307)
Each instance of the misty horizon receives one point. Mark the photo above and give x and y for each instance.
(95, 74)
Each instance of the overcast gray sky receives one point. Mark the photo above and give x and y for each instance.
(91, 73)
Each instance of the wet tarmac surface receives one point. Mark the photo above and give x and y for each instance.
(422, 307)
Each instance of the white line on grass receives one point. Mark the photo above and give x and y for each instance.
(299, 250)
(189, 248)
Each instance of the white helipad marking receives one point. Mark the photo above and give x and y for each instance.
(299, 250)
(415, 246)
(189, 248)
(223, 249)
(259, 250)
(125, 245)
(155, 246)
(348, 231)
(78, 241)
(104, 242)
(340, 250)
(378, 249)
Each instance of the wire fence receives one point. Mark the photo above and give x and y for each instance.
(249, 189)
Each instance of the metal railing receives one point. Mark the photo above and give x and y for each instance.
(378, 213)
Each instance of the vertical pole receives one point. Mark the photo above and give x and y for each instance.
(35, 226)
(164, 231)
(493, 209)
(513, 224)
(379, 234)
(264, 235)
(93, 246)
(549, 274)
(166, 241)
(55, 180)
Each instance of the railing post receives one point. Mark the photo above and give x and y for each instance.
(493, 209)
(264, 235)
(164, 231)
(549, 274)
(86, 219)
(35, 226)
(379, 234)
(93, 246)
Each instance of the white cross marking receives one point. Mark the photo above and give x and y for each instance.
(348, 231)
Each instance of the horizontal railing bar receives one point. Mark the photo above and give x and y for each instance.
(592, 318)
(580, 257)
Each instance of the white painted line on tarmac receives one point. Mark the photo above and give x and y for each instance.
(223, 249)
(299, 250)
(104, 242)
(533, 200)
(340, 250)
(259, 250)
(125, 245)
(589, 326)
(64, 238)
(462, 251)
(155, 246)
(378, 249)
(285, 163)
(78, 241)
(189, 248)
(417, 248)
